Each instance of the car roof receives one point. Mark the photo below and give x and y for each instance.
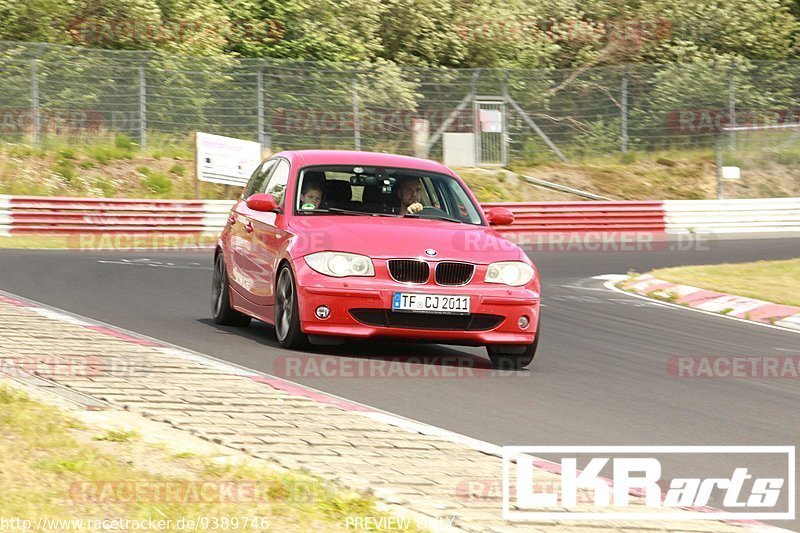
(353, 157)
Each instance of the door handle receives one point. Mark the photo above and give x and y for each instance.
(249, 227)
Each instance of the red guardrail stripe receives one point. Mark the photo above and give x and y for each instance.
(86, 200)
(65, 230)
(559, 209)
(105, 222)
(55, 217)
(135, 208)
(557, 217)
(587, 203)
(582, 227)
(119, 215)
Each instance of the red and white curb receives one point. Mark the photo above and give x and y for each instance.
(296, 389)
(730, 305)
(275, 382)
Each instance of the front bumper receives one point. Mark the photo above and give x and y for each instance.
(344, 295)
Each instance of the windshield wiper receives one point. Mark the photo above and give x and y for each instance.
(331, 210)
(436, 217)
(339, 210)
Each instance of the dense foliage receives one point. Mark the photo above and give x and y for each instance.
(596, 75)
(455, 33)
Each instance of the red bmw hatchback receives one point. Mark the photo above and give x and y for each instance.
(330, 245)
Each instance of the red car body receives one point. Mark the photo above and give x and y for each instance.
(255, 246)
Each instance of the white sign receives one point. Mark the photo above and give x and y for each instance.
(731, 173)
(458, 149)
(637, 470)
(491, 120)
(226, 160)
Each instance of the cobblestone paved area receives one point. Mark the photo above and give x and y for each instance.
(428, 474)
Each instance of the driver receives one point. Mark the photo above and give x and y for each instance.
(409, 190)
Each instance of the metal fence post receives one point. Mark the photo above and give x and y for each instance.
(142, 108)
(624, 110)
(718, 163)
(35, 119)
(356, 113)
(732, 104)
(260, 95)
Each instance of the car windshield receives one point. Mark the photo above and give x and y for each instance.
(389, 192)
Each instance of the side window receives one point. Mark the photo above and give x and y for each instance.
(466, 209)
(257, 179)
(278, 181)
(428, 195)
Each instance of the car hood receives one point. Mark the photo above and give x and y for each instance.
(385, 237)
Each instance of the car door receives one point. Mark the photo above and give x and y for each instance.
(242, 266)
(265, 237)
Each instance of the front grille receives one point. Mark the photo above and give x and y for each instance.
(409, 270)
(385, 318)
(452, 273)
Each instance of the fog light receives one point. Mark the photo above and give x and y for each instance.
(323, 312)
(523, 322)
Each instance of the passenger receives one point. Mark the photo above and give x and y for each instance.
(311, 194)
(409, 190)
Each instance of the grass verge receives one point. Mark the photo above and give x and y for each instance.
(772, 281)
(54, 467)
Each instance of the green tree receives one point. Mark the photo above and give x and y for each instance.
(332, 30)
(420, 32)
(35, 20)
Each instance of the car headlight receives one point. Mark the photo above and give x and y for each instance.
(340, 264)
(513, 273)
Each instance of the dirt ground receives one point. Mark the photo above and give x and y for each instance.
(122, 171)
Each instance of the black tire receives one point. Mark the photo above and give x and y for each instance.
(221, 309)
(287, 312)
(503, 359)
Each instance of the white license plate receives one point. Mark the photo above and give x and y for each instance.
(430, 303)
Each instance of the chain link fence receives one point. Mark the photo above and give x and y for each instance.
(550, 114)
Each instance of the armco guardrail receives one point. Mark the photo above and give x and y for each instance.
(42, 215)
(546, 217)
(5, 215)
(32, 214)
(767, 215)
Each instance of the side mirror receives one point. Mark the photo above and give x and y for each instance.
(262, 202)
(500, 216)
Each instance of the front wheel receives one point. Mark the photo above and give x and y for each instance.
(223, 313)
(287, 312)
(513, 357)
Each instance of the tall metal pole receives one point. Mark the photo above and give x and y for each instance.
(732, 104)
(505, 137)
(624, 106)
(356, 113)
(718, 160)
(260, 94)
(476, 132)
(35, 119)
(142, 108)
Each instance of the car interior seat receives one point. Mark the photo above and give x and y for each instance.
(337, 194)
(374, 200)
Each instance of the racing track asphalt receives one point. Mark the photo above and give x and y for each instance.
(599, 378)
